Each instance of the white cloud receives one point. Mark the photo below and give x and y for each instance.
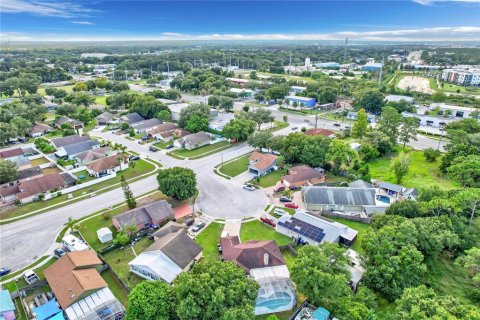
(466, 33)
(83, 22)
(46, 8)
(430, 2)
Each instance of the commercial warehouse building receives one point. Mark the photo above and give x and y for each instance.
(307, 102)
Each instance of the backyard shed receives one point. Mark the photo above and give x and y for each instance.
(104, 235)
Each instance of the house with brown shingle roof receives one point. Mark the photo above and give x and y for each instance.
(156, 131)
(80, 290)
(261, 163)
(12, 154)
(94, 154)
(30, 189)
(303, 175)
(263, 261)
(39, 129)
(107, 165)
(321, 132)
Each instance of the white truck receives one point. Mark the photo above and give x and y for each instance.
(30, 276)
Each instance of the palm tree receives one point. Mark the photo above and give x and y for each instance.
(132, 164)
(71, 224)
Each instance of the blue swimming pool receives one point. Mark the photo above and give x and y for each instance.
(383, 198)
(281, 299)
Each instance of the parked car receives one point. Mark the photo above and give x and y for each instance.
(134, 157)
(285, 199)
(249, 187)
(170, 146)
(59, 252)
(144, 138)
(291, 205)
(268, 221)
(189, 222)
(279, 212)
(294, 128)
(4, 271)
(30, 277)
(279, 189)
(198, 226)
(153, 149)
(337, 124)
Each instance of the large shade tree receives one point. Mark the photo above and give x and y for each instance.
(179, 183)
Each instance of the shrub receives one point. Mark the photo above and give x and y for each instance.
(431, 154)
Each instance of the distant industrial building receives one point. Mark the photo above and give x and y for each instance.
(398, 98)
(372, 66)
(328, 65)
(307, 102)
(353, 115)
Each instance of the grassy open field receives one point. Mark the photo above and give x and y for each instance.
(256, 230)
(202, 151)
(209, 239)
(235, 167)
(421, 172)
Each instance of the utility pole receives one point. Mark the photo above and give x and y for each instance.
(345, 51)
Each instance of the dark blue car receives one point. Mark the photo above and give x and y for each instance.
(4, 271)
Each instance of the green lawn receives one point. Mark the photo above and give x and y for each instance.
(209, 239)
(142, 167)
(235, 167)
(118, 260)
(101, 100)
(202, 151)
(163, 144)
(270, 179)
(278, 125)
(84, 174)
(421, 173)
(360, 227)
(118, 290)
(256, 230)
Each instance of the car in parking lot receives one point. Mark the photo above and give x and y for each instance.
(279, 212)
(249, 187)
(30, 277)
(291, 205)
(4, 271)
(279, 188)
(189, 222)
(198, 226)
(285, 199)
(268, 221)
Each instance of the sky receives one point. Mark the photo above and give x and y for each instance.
(98, 20)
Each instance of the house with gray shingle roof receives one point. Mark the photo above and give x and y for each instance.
(153, 213)
(69, 151)
(195, 140)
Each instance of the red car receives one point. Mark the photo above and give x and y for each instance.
(291, 205)
(268, 221)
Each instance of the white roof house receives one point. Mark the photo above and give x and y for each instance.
(154, 265)
(104, 235)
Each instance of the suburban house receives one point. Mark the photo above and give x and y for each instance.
(304, 227)
(131, 118)
(69, 151)
(63, 141)
(360, 184)
(321, 132)
(155, 213)
(175, 110)
(397, 191)
(195, 140)
(172, 253)
(39, 129)
(80, 290)
(353, 115)
(105, 118)
(172, 134)
(220, 121)
(29, 174)
(263, 261)
(361, 202)
(309, 311)
(157, 130)
(30, 189)
(7, 307)
(12, 154)
(93, 154)
(107, 165)
(66, 120)
(261, 163)
(145, 125)
(303, 175)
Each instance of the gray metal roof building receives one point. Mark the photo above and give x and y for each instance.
(339, 196)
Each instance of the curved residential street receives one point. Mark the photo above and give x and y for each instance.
(24, 241)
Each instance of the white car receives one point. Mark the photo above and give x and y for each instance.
(279, 212)
(30, 277)
(249, 187)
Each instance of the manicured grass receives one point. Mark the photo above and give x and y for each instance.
(421, 173)
(118, 260)
(270, 179)
(163, 144)
(278, 125)
(202, 151)
(48, 171)
(39, 161)
(235, 167)
(101, 100)
(256, 230)
(118, 290)
(129, 173)
(84, 174)
(209, 239)
(360, 227)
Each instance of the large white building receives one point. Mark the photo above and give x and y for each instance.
(462, 75)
